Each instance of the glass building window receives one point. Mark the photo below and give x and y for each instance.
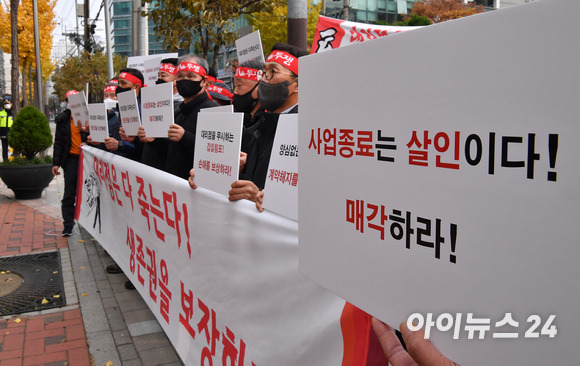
(123, 8)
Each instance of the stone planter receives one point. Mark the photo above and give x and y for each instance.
(27, 181)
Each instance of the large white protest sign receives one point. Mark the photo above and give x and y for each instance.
(138, 62)
(129, 111)
(221, 109)
(217, 150)
(79, 108)
(157, 109)
(249, 47)
(281, 189)
(205, 265)
(99, 126)
(151, 68)
(453, 195)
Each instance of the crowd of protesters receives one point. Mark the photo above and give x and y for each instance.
(262, 91)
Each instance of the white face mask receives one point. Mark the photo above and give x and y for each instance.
(7, 106)
(110, 103)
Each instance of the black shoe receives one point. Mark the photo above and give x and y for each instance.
(67, 231)
(129, 285)
(114, 268)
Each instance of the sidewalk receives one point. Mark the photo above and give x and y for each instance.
(102, 323)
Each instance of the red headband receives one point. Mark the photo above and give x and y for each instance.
(248, 73)
(285, 59)
(114, 81)
(131, 78)
(211, 79)
(190, 66)
(69, 93)
(220, 90)
(111, 88)
(169, 68)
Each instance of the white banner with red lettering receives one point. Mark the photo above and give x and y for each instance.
(221, 278)
(334, 33)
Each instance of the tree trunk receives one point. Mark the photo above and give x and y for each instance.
(15, 72)
(216, 50)
(24, 93)
(30, 86)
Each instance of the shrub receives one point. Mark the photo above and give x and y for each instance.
(30, 133)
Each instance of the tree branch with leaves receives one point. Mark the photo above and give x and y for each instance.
(208, 24)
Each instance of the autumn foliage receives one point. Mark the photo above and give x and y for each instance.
(273, 24)
(46, 25)
(442, 10)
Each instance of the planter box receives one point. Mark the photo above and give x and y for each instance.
(27, 181)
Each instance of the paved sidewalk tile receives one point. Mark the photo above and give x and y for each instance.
(24, 230)
(57, 338)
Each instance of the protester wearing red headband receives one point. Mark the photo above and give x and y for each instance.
(110, 92)
(248, 75)
(168, 74)
(278, 94)
(220, 93)
(191, 83)
(130, 78)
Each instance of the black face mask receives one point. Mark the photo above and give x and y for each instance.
(121, 90)
(244, 102)
(188, 88)
(160, 81)
(272, 96)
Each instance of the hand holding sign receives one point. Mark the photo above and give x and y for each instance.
(175, 132)
(246, 189)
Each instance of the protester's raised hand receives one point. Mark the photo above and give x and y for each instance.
(143, 136)
(83, 128)
(124, 136)
(111, 144)
(245, 189)
(175, 132)
(243, 159)
(90, 141)
(419, 350)
(190, 179)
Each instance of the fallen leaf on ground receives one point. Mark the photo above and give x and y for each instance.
(85, 294)
(81, 241)
(44, 301)
(17, 320)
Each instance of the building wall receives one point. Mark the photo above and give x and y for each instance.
(122, 27)
(370, 11)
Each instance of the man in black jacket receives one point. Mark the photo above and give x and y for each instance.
(191, 82)
(277, 94)
(67, 148)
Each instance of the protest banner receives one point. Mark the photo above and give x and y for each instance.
(98, 122)
(282, 179)
(138, 62)
(451, 189)
(157, 109)
(333, 33)
(221, 278)
(151, 68)
(249, 48)
(129, 111)
(218, 139)
(79, 108)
